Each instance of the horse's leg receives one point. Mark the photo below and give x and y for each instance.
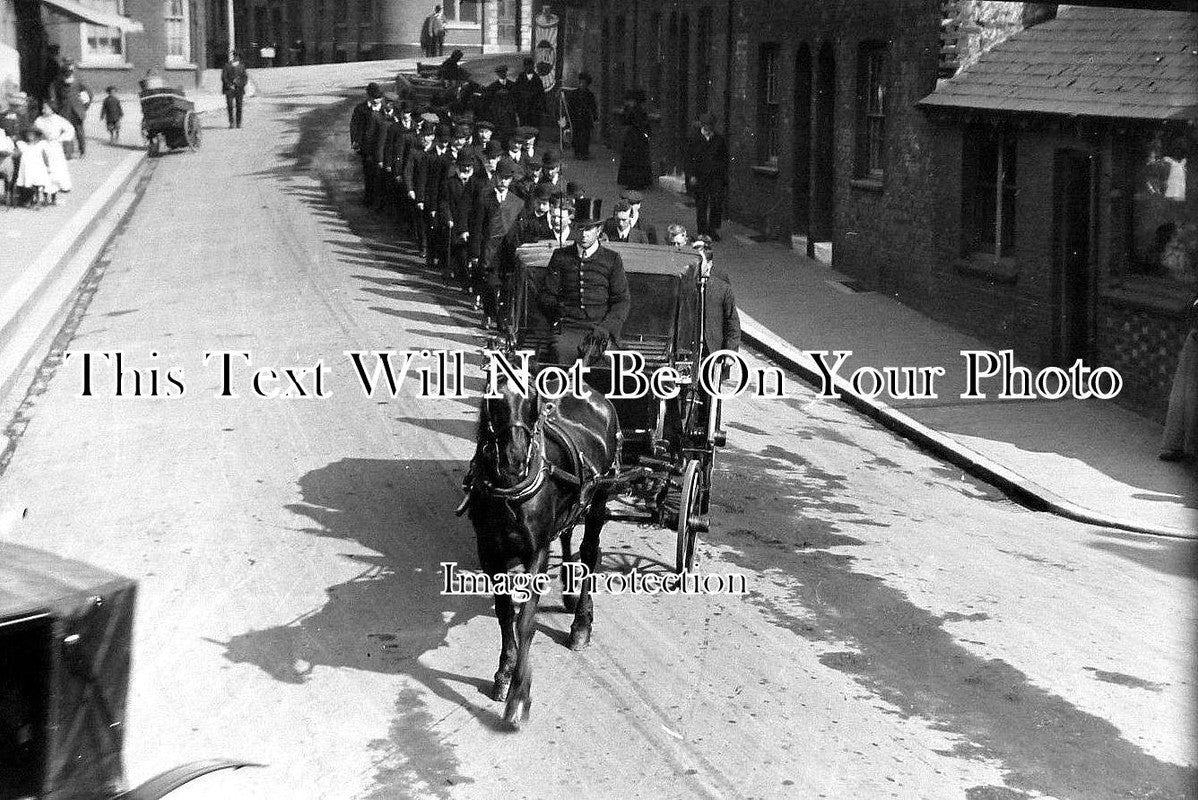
(519, 700)
(580, 630)
(507, 653)
(568, 600)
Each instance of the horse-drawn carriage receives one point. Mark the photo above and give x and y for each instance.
(168, 120)
(66, 630)
(667, 445)
(543, 466)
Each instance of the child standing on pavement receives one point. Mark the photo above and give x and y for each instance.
(33, 174)
(112, 114)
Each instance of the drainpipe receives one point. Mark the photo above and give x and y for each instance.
(728, 76)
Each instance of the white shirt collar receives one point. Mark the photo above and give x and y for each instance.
(588, 252)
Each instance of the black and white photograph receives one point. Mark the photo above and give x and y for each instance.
(460, 399)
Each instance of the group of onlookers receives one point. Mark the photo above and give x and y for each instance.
(39, 136)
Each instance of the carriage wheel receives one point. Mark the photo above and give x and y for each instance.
(192, 126)
(688, 508)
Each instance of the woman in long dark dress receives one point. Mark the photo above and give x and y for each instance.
(636, 158)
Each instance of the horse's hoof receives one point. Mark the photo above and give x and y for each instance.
(580, 638)
(569, 602)
(518, 710)
(500, 689)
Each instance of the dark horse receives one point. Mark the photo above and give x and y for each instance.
(539, 469)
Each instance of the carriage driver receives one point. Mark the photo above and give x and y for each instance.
(586, 292)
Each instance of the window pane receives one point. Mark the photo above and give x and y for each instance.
(1164, 231)
(468, 11)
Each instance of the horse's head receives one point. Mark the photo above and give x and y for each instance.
(508, 433)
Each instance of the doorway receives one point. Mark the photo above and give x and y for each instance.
(801, 151)
(682, 121)
(1073, 227)
(823, 153)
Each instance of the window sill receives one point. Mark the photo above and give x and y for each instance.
(765, 170)
(463, 26)
(180, 65)
(104, 65)
(1162, 295)
(1004, 270)
(867, 184)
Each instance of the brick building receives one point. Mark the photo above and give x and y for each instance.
(110, 41)
(843, 136)
(324, 31)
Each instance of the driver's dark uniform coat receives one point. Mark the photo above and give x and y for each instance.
(585, 293)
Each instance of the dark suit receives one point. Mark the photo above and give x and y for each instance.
(233, 80)
(586, 295)
(529, 92)
(457, 212)
(493, 240)
(707, 165)
(584, 112)
(611, 230)
(535, 229)
(416, 178)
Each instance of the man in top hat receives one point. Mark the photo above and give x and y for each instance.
(493, 240)
(584, 115)
(456, 213)
(364, 130)
(535, 226)
(707, 177)
(619, 228)
(586, 293)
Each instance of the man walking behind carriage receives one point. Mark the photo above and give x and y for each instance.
(586, 294)
(233, 80)
(707, 177)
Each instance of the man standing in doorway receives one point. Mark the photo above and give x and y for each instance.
(584, 113)
(707, 177)
(233, 80)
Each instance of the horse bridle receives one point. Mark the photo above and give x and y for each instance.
(532, 474)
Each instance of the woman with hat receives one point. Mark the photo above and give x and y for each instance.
(636, 158)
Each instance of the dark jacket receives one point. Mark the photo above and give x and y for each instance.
(233, 78)
(457, 202)
(721, 322)
(417, 172)
(495, 233)
(535, 229)
(591, 292)
(707, 161)
(584, 109)
(611, 229)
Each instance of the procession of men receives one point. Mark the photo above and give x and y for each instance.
(463, 177)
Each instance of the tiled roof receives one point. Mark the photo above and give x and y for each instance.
(1099, 62)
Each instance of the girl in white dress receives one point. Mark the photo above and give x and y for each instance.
(56, 130)
(34, 172)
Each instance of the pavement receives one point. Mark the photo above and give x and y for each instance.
(1089, 460)
(1092, 461)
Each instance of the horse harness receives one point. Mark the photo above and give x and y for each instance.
(581, 474)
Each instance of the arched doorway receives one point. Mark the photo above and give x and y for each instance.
(823, 153)
(801, 152)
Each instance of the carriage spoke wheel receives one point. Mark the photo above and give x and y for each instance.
(688, 512)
